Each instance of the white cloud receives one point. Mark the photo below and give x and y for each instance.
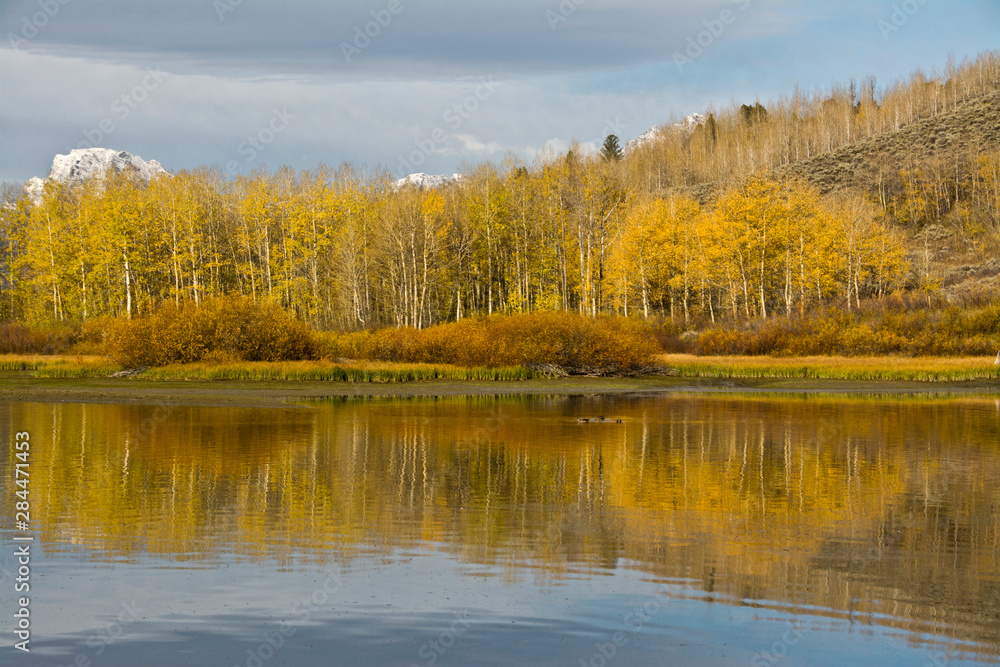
(606, 70)
(473, 146)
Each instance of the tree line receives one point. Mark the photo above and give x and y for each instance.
(342, 251)
(746, 138)
(592, 234)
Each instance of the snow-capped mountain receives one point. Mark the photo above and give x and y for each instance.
(422, 181)
(85, 163)
(34, 186)
(690, 122)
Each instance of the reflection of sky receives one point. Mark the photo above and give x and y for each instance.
(545, 531)
(610, 59)
(386, 610)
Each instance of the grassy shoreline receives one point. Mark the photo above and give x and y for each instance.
(912, 369)
(86, 380)
(80, 367)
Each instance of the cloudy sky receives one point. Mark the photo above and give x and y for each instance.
(423, 85)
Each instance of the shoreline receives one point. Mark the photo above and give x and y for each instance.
(287, 393)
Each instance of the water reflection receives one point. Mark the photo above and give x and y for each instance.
(879, 512)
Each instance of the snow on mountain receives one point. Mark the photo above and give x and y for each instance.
(422, 181)
(642, 139)
(690, 122)
(85, 163)
(34, 186)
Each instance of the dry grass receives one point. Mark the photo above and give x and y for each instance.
(924, 369)
(367, 371)
(79, 367)
(59, 365)
(945, 136)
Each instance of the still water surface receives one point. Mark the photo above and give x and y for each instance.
(702, 530)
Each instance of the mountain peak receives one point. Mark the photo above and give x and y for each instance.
(422, 181)
(85, 163)
(690, 122)
(82, 164)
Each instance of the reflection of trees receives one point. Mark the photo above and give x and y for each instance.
(888, 511)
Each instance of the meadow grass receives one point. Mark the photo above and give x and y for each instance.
(921, 369)
(366, 371)
(70, 367)
(924, 369)
(59, 365)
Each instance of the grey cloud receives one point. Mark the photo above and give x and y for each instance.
(425, 38)
(608, 60)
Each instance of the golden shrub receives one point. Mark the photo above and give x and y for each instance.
(577, 342)
(232, 328)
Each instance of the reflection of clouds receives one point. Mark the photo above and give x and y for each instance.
(774, 494)
(7, 567)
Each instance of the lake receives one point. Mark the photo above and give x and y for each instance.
(700, 530)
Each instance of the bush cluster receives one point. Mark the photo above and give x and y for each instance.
(888, 328)
(579, 344)
(223, 329)
(238, 329)
(16, 338)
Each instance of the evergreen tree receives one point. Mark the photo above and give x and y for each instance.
(611, 151)
(754, 115)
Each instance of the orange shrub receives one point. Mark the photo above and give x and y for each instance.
(17, 338)
(576, 342)
(233, 327)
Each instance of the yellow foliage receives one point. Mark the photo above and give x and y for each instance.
(600, 345)
(229, 328)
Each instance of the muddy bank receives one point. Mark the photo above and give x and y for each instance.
(278, 393)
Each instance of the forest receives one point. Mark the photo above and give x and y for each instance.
(721, 227)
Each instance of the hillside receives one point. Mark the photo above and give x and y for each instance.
(940, 155)
(926, 178)
(799, 208)
(873, 163)
(950, 137)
